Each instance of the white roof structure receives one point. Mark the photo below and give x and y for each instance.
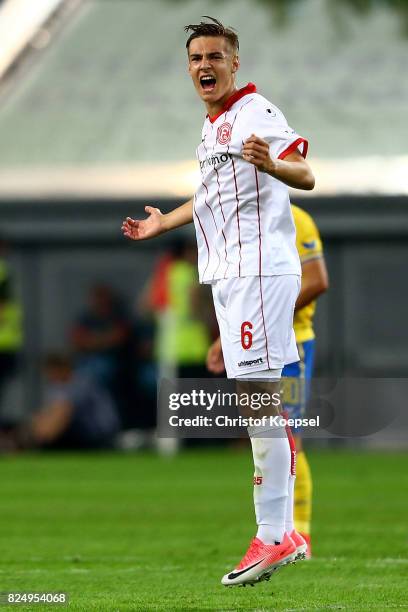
(109, 104)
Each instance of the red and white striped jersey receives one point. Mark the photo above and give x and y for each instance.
(242, 217)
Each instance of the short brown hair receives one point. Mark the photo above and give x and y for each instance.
(211, 29)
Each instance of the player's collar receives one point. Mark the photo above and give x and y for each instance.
(237, 95)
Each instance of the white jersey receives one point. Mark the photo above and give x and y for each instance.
(242, 217)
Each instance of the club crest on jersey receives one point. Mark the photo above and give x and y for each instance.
(224, 133)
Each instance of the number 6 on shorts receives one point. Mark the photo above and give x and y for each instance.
(246, 336)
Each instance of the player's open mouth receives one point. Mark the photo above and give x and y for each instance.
(208, 82)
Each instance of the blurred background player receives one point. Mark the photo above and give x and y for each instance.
(184, 319)
(183, 312)
(296, 377)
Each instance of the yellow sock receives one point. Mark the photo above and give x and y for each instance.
(303, 494)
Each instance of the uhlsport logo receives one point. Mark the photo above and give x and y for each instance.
(250, 363)
(224, 133)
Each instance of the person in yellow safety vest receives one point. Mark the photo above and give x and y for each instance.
(183, 335)
(11, 329)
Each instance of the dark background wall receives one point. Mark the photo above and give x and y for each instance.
(60, 248)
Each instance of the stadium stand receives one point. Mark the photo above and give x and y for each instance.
(114, 88)
(19, 22)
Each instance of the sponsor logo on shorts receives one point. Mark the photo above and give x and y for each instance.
(250, 363)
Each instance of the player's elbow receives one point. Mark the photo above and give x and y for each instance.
(318, 285)
(309, 181)
(323, 284)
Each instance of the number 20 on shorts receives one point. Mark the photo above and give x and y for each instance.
(246, 335)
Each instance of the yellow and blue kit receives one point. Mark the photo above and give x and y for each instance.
(297, 376)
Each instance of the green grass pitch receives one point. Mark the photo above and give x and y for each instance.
(139, 532)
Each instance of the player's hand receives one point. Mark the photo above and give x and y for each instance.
(215, 359)
(256, 152)
(146, 228)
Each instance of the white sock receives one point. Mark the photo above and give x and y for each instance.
(289, 522)
(272, 466)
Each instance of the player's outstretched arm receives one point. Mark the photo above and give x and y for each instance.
(294, 171)
(156, 223)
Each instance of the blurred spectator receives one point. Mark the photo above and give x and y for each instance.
(186, 322)
(100, 339)
(142, 413)
(11, 332)
(77, 413)
(184, 312)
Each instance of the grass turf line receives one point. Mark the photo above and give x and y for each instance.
(139, 532)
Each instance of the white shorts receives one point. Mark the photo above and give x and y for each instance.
(255, 317)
